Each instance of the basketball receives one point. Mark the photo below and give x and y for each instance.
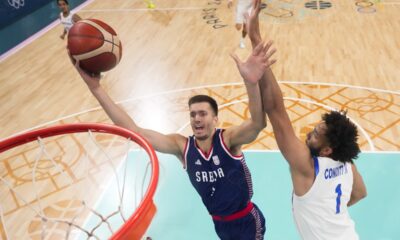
(95, 44)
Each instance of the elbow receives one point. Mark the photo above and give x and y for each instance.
(259, 126)
(361, 195)
(263, 125)
(364, 194)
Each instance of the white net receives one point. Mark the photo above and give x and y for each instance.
(72, 186)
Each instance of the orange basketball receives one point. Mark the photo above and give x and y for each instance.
(95, 45)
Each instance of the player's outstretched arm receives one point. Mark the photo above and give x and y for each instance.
(172, 143)
(294, 150)
(252, 23)
(359, 190)
(251, 71)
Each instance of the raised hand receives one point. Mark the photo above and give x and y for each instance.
(256, 64)
(91, 79)
(252, 23)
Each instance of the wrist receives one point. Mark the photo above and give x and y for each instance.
(249, 83)
(95, 88)
(255, 40)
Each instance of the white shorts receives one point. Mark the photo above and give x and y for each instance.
(242, 7)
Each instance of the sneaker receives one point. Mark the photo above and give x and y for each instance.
(263, 5)
(241, 44)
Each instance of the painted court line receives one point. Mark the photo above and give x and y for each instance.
(277, 151)
(56, 22)
(38, 34)
(371, 144)
(367, 137)
(144, 9)
(224, 85)
(389, 2)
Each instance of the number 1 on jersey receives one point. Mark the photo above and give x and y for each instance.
(338, 190)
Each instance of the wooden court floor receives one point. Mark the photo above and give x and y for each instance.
(343, 56)
(337, 57)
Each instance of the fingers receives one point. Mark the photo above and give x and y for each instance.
(270, 53)
(74, 61)
(267, 46)
(266, 53)
(256, 6)
(71, 58)
(76, 64)
(258, 49)
(81, 71)
(270, 63)
(236, 59)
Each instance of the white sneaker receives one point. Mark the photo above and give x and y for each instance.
(241, 44)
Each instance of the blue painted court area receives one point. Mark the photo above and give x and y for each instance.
(181, 214)
(17, 31)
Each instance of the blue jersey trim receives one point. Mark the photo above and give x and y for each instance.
(316, 165)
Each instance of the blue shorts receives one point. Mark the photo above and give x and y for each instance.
(249, 227)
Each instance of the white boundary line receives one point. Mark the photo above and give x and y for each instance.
(371, 144)
(342, 85)
(144, 9)
(390, 3)
(224, 85)
(35, 36)
(277, 151)
(27, 41)
(78, 8)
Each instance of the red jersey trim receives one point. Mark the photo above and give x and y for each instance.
(206, 156)
(185, 151)
(236, 215)
(226, 149)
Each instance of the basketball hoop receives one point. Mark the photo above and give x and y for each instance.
(57, 170)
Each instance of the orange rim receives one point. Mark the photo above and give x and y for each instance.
(147, 201)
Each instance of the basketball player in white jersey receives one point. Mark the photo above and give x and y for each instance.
(66, 17)
(325, 179)
(242, 7)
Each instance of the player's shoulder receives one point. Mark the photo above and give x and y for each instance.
(179, 137)
(180, 141)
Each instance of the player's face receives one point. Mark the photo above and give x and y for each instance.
(316, 139)
(202, 120)
(63, 6)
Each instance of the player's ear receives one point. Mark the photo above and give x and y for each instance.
(215, 118)
(326, 151)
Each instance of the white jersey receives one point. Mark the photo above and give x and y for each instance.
(67, 21)
(242, 7)
(322, 213)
